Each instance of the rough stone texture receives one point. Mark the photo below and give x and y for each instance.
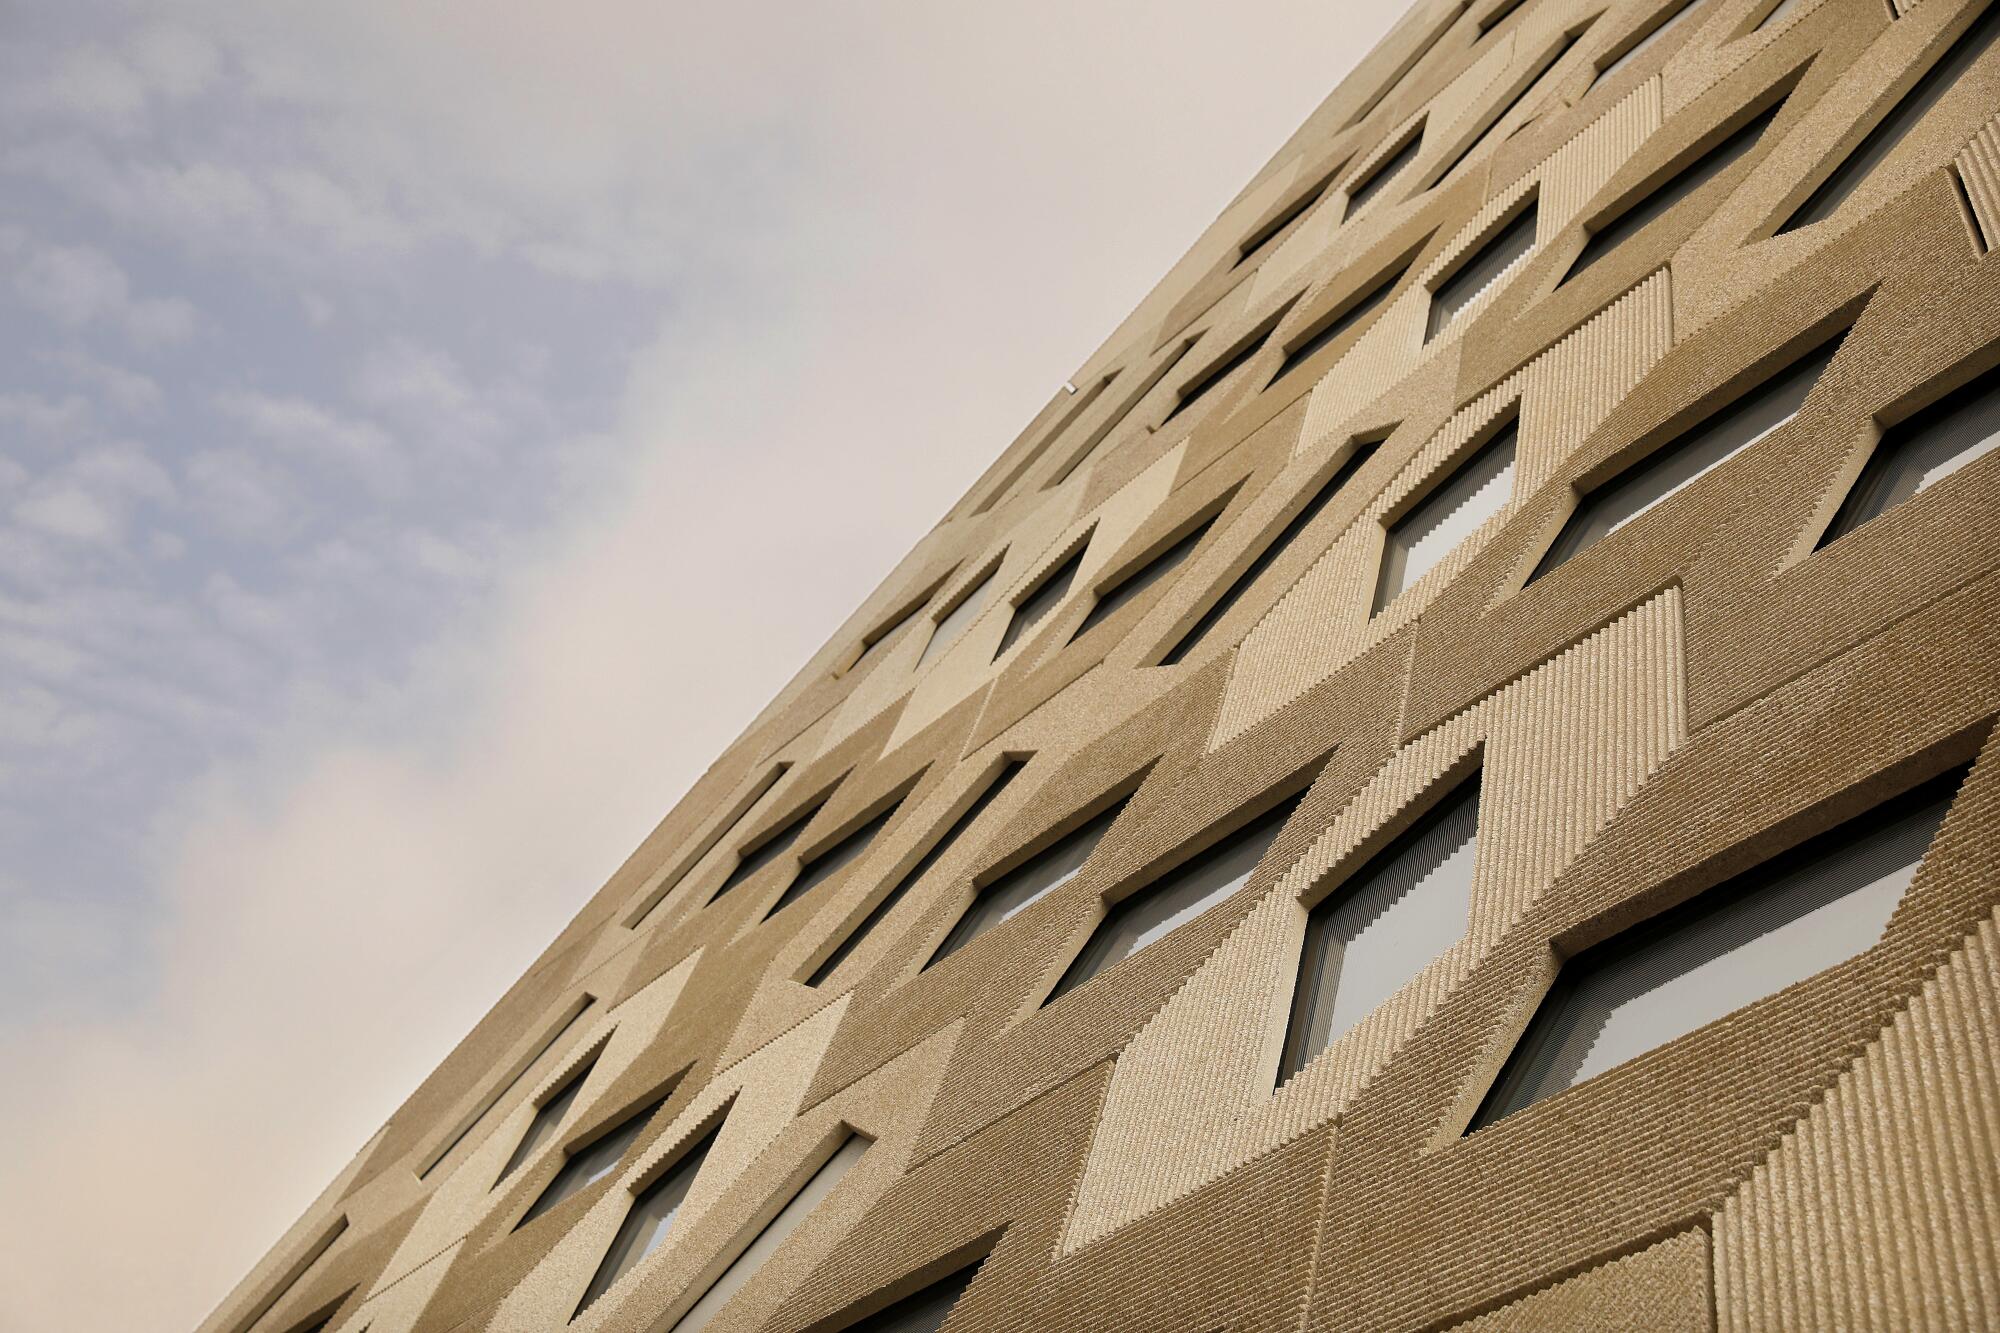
(1695, 692)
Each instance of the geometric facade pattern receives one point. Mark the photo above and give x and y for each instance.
(1383, 349)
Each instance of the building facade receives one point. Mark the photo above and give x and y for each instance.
(1446, 780)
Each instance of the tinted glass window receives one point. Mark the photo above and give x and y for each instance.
(1685, 460)
(1027, 883)
(1485, 268)
(1276, 547)
(1375, 932)
(591, 1163)
(1452, 512)
(1890, 132)
(1037, 604)
(1362, 195)
(548, 1119)
(647, 1222)
(1803, 912)
(947, 631)
(776, 1233)
(917, 872)
(1166, 562)
(831, 861)
(1916, 454)
(769, 850)
(925, 1312)
(1603, 240)
(1178, 896)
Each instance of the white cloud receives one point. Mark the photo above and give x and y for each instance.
(208, 204)
(241, 495)
(119, 387)
(426, 388)
(59, 417)
(179, 63)
(111, 89)
(77, 286)
(316, 432)
(88, 498)
(273, 624)
(123, 469)
(88, 83)
(446, 559)
(157, 321)
(71, 284)
(69, 511)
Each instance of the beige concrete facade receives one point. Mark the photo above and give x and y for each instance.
(1707, 686)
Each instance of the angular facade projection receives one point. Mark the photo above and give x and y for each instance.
(1447, 779)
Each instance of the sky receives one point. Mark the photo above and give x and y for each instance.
(429, 432)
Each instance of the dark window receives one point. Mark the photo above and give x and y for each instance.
(1494, 16)
(1300, 522)
(1686, 460)
(753, 805)
(925, 1312)
(1633, 52)
(1299, 352)
(962, 613)
(1453, 511)
(775, 1233)
(1048, 594)
(533, 1061)
(1115, 419)
(1079, 403)
(1254, 243)
(1110, 603)
(591, 1163)
(1777, 16)
(1372, 934)
(832, 861)
(1916, 454)
(1475, 275)
(647, 1222)
(1178, 896)
(1976, 228)
(1363, 193)
(1027, 883)
(870, 645)
(305, 1262)
(1902, 118)
(1798, 914)
(1603, 240)
(1199, 386)
(769, 850)
(548, 1119)
(918, 871)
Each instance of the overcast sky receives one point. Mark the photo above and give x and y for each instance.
(428, 433)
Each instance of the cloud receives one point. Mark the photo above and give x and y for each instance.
(121, 388)
(178, 63)
(244, 497)
(320, 434)
(77, 286)
(112, 89)
(88, 498)
(32, 412)
(68, 511)
(91, 84)
(426, 389)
